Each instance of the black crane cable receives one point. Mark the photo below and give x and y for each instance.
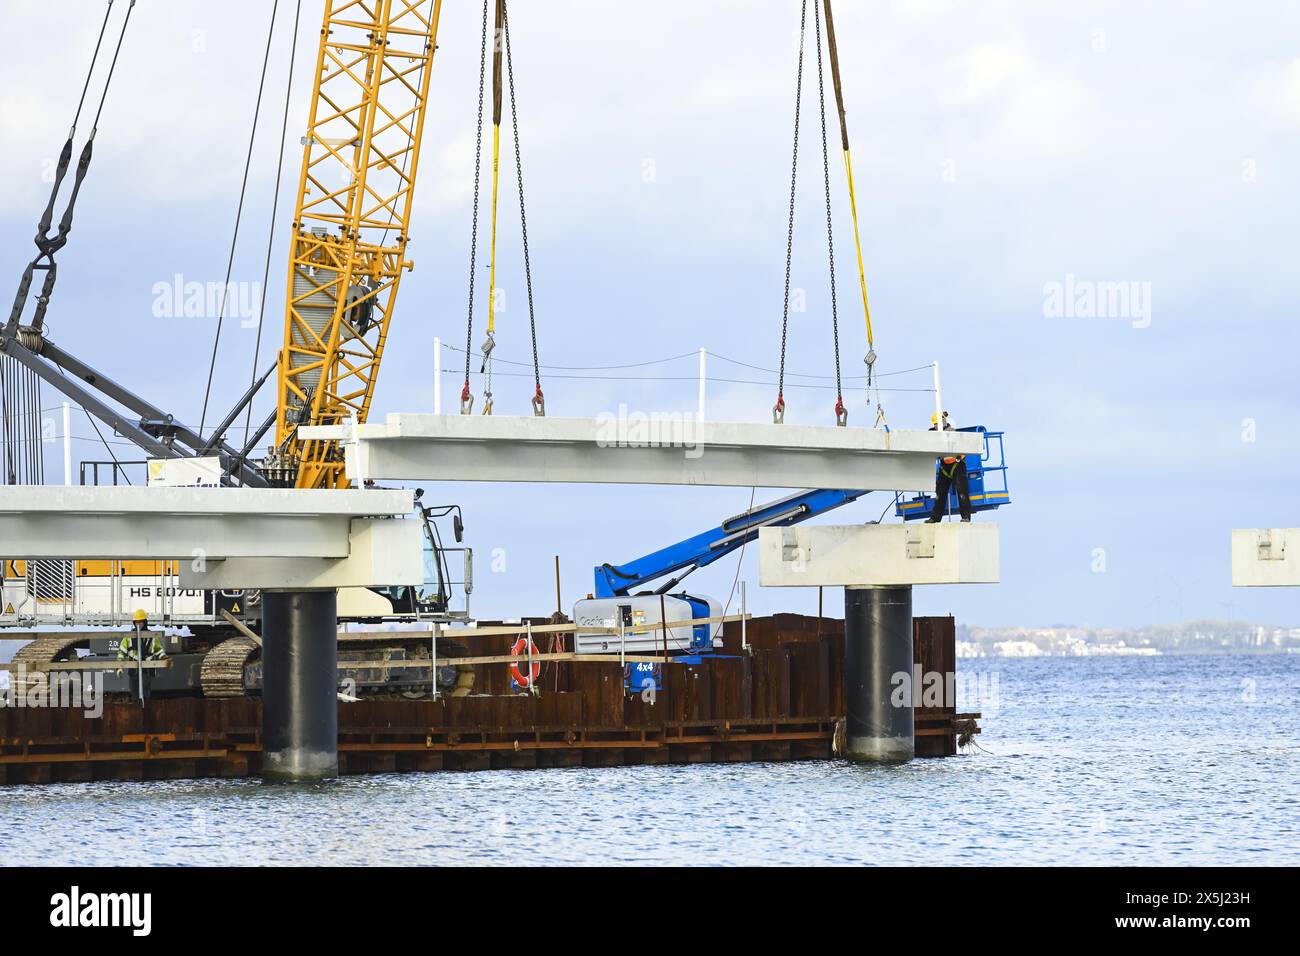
(466, 399)
(778, 410)
(539, 401)
(239, 212)
(841, 414)
(275, 206)
(94, 57)
(67, 215)
(112, 68)
(44, 243)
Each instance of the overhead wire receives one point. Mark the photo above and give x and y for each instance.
(239, 212)
(275, 205)
(103, 27)
(687, 355)
(112, 68)
(695, 378)
(740, 560)
(47, 246)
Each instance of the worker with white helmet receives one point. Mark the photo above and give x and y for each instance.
(952, 473)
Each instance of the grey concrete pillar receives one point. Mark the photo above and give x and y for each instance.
(877, 647)
(300, 727)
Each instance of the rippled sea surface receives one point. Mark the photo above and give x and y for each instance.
(1172, 760)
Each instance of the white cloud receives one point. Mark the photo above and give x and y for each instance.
(989, 69)
(1276, 93)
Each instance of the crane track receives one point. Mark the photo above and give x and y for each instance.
(222, 674)
(222, 671)
(43, 650)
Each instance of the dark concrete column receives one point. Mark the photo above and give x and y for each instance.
(300, 727)
(877, 648)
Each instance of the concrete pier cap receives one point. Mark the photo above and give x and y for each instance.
(878, 555)
(1266, 558)
(877, 565)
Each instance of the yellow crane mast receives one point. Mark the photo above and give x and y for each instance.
(348, 250)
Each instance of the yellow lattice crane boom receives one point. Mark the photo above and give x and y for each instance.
(348, 250)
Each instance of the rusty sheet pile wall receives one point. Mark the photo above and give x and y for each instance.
(780, 701)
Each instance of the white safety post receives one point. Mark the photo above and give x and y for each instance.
(699, 414)
(139, 661)
(938, 397)
(433, 662)
(744, 635)
(532, 681)
(437, 375)
(67, 443)
(353, 428)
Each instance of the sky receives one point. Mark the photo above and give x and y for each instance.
(1011, 159)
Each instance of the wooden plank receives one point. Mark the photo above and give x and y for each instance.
(92, 665)
(510, 630)
(96, 756)
(241, 627)
(498, 659)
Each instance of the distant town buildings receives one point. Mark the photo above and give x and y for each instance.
(1194, 637)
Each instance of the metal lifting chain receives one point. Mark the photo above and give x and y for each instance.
(841, 413)
(778, 410)
(539, 400)
(466, 396)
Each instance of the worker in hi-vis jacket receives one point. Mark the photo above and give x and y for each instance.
(952, 472)
(140, 644)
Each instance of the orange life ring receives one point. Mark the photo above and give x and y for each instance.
(525, 645)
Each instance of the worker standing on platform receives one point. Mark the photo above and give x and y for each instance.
(952, 472)
(138, 645)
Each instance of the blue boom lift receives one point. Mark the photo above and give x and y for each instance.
(613, 604)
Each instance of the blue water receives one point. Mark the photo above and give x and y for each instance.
(1172, 760)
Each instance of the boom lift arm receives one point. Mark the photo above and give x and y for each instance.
(613, 604)
(709, 546)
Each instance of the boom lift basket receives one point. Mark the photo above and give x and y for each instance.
(986, 476)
